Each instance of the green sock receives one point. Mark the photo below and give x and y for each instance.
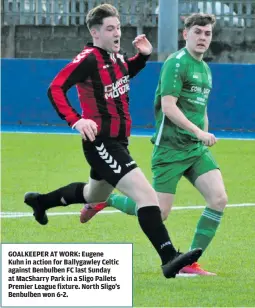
(206, 228)
(122, 203)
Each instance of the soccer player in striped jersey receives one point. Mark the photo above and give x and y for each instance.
(182, 139)
(102, 75)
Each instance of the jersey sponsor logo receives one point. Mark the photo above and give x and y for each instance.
(197, 89)
(196, 101)
(82, 55)
(201, 99)
(120, 87)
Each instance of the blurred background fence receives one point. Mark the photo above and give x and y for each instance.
(54, 29)
(138, 13)
(231, 105)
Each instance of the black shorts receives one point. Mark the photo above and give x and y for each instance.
(108, 158)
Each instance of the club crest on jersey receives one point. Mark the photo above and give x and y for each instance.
(121, 57)
(114, 57)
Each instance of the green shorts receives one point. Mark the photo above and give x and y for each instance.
(168, 166)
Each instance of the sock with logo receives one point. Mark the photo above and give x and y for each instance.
(63, 196)
(206, 228)
(122, 203)
(150, 221)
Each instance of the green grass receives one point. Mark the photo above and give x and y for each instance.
(45, 162)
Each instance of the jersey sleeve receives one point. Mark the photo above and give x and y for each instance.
(172, 77)
(136, 64)
(209, 73)
(76, 71)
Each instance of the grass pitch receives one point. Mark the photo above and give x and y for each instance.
(37, 162)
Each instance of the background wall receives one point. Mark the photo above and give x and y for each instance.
(25, 101)
(229, 45)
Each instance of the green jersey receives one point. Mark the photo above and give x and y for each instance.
(190, 81)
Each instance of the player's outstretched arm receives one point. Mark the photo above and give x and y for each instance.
(138, 62)
(76, 71)
(143, 45)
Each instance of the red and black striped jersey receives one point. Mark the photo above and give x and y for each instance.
(102, 82)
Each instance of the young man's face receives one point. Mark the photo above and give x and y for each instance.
(107, 36)
(198, 38)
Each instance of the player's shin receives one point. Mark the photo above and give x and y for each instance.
(206, 228)
(63, 196)
(122, 203)
(150, 221)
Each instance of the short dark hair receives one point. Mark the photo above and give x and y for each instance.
(96, 15)
(199, 19)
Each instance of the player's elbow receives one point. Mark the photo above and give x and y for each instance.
(168, 104)
(165, 109)
(168, 109)
(55, 89)
(51, 89)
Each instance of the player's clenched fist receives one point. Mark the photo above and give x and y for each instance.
(207, 138)
(87, 128)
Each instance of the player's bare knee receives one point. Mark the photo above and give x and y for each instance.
(94, 198)
(219, 202)
(136, 186)
(164, 209)
(97, 191)
(145, 197)
(95, 195)
(144, 200)
(164, 214)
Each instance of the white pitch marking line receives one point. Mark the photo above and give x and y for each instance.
(178, 208)
(186, 275)
(133, 135)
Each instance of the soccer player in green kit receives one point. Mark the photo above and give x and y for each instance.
(182, 139)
